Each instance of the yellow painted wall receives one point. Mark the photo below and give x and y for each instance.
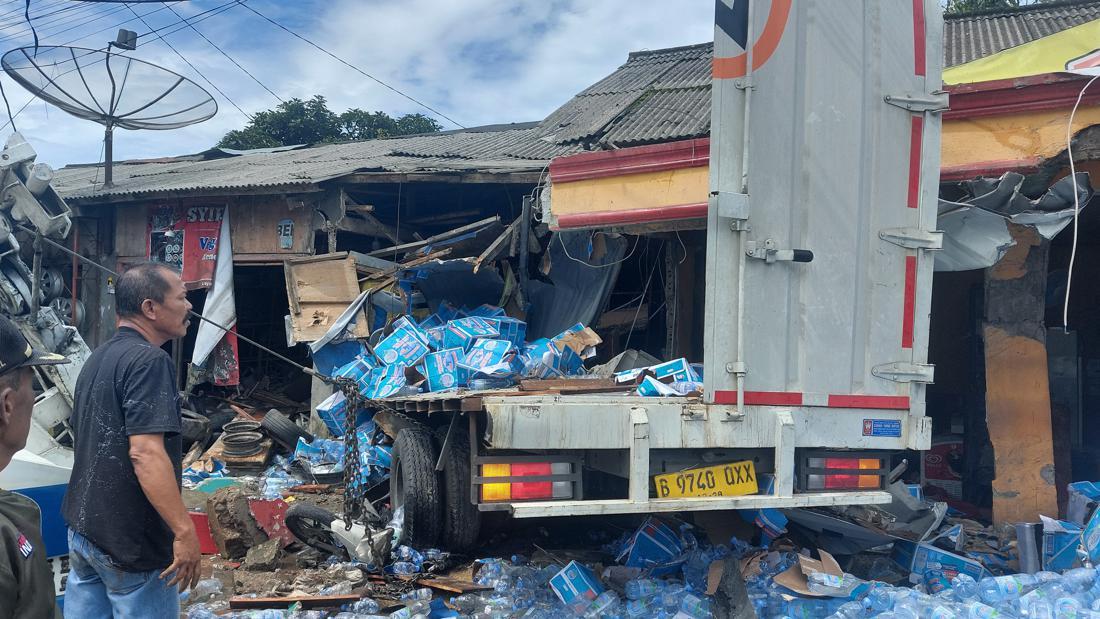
(631, 191)
(1015, 137)
(966, 142)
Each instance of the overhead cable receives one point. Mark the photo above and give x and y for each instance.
(355, 68)
(223, 53)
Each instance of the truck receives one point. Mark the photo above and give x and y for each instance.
(824, 172)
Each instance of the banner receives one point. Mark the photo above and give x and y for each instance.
(1074, 50)
(186, 237)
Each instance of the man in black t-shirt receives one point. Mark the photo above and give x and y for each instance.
(131, 540)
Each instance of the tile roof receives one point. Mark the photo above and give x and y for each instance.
(971, 36)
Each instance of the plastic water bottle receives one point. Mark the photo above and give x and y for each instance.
(850, 610)
(417, 594)
(1005, 588)
(879, 599)
(642, 588)
(604, 604)
(340, 588)
(808, 608)
(435, 554)
(404, 568)
(640, 608)
(977, 610)
(965, 587)
(365, 606)
(671, 596)
(200, 611)
(416, 608)
(694, 606)
(1078, 579)
(1038, 608)
(468, 603)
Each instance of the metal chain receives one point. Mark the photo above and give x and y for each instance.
(355, 482)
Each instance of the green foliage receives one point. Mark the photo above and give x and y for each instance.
(951, 7)
(311, 122)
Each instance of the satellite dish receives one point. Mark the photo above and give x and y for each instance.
(110, 89)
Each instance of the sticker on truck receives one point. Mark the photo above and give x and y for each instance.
(882, 427)
(733, 479)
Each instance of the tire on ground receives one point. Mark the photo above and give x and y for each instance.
(415, 485)
(461, 518)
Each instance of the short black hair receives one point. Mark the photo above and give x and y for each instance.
(144, 280)
(13, 378)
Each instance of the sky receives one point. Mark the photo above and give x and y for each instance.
(475, 61)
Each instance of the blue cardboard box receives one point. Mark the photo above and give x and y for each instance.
(511, 329)
(487, 352)
(384, 382)
(334, 412)
(1090, 538)
(678, 369)
(358, 370)
(925, 557)
(576, 582)
(406, 346)
(654, 544)
(443, 371)
(463, 332)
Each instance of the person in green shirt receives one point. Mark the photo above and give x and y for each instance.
(26, 582)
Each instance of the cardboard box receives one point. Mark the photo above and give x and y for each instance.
(384, 382)
(678, 369)
(443, 370)
(511, 329)
(1060, 543)
(579, 339)
(797, 577)
(358, 369)
(487, 352)
(462, 333)
(1090, 538)
(654, 546)
(406, 346)
(575, 582)
(334, 412)
(922, 558)
(486, 311)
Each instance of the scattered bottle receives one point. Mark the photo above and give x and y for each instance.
(642, 588)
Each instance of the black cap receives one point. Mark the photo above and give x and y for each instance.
(17, 352)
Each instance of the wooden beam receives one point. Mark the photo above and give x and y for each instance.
(407, 247)
(526, 177)
(1017, 389)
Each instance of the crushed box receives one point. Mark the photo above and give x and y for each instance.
(443, 371)
(575, 582)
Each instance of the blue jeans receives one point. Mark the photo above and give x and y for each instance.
(98, 588)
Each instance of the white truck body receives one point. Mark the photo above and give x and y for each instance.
(830, 143)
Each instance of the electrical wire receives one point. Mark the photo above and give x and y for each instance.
(355, 68)
(193, 67)
(109, 271)
(27, 15)
(223, 53)
(1076, 201)
(638, 311)
(597, 266)
(7, 106)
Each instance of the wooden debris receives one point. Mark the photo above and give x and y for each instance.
(307, 601)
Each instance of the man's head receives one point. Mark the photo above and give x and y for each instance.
(16, 387)
(152, 298)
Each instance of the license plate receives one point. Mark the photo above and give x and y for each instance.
(733, 479)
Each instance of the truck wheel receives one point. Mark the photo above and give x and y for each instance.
(414, 485)
(461, 518)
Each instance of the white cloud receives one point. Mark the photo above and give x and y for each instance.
(478, 61)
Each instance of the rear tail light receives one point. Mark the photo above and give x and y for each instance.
(826, 471)
(504, 481)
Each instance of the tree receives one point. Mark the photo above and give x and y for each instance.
(311, 122)
(969, 6)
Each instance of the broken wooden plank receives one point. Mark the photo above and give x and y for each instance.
(451, 585)
(494, 248)
(407, 247)
(307, 601)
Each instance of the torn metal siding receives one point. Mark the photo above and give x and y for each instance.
(970, 37)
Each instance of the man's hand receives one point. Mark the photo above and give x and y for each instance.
(185, 561)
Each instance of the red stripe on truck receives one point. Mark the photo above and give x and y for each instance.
(918, 37)
(899, 402)
(760, 398)
(908, 316)
(916, 144)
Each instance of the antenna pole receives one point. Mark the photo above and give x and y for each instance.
(108, 156)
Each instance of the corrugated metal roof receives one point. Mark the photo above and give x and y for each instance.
(457, 151)
(657, 95)
(968, 37)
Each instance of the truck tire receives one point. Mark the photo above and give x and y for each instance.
(285, 432)
(461, 518)
(415, 486)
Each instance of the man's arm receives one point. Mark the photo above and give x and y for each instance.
(158, 481)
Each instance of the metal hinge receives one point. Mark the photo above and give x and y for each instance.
(730, 205)
(905, 372)
(913, 238)
(935, 102)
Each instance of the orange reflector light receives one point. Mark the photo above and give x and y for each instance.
(496, 492)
